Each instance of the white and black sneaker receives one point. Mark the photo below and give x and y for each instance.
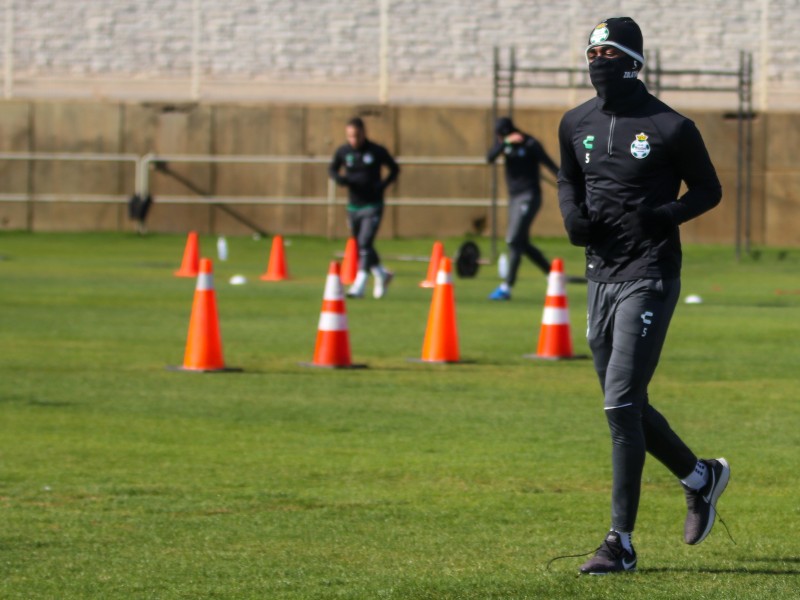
(355, 292)
(611, 557)
(382, 282)
(702, 504)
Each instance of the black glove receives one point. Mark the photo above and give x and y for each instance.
(581, 230)
(646, 223)
(341, 179)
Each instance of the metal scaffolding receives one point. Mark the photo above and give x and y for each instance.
(510, 76)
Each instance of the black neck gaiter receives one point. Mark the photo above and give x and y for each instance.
(613, 78)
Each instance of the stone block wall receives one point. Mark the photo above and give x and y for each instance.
(312, 50)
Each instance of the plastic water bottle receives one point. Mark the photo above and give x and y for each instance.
(222, 248)
(502, 266)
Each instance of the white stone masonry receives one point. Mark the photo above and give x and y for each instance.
(321, 48)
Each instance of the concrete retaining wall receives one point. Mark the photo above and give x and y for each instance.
(316, 130)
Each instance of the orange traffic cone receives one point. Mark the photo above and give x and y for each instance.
(433, 266)
(276, 268)
(350, 262)
(191, 257)
(441, 335)
(555, 341)
(333, 341)
(204, 343)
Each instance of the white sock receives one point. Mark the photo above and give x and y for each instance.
(697, 478)
(626, 537)
(505, 287)
(360, 282)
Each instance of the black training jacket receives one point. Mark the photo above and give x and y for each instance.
(362, 172)
(522, 163)
(613, 162)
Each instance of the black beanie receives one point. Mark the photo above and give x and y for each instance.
(620, 32)
(504, 126)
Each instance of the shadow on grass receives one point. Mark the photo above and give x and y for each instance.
(35, 401)
(788, 559)
(413, 365)
(728, 570)
(51, 403)
(739, 571)
(744, 570)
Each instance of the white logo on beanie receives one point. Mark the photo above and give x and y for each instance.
(600, 34)
(621, 33)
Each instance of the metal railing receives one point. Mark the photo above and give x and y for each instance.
(154, 162)
(31, 197)
(148, 161)
(144, 167)
(144, 164)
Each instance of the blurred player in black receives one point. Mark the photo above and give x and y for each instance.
(523, 154)
(362, 161)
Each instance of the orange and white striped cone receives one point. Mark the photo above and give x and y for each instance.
(190, 265)
(350, 262)
(555, 341)
(204, 343)
(433, 266)
(441, 334)
(332, 349)
(276, 267)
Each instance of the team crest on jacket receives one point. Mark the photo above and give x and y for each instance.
(640, 147)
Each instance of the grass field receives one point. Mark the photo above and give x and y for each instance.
(121, 479)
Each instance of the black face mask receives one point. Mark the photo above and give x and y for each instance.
(613, 78)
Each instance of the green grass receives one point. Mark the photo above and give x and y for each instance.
(121, 479)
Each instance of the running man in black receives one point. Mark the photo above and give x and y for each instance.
(523, 154)
(362, 161)
(624, 155)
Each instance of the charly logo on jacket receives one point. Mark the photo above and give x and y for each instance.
(640, 147)
(368, 158)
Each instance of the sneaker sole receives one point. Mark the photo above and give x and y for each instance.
(599, 573)
(722, 483)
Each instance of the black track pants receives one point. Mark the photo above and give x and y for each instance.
(364, 224)
(522, 209)
(628, 324)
